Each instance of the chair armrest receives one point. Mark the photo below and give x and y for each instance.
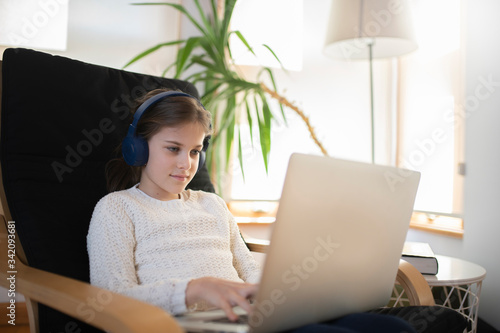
(98, 307)
(412, 281)
(414, 284)
(257, 245)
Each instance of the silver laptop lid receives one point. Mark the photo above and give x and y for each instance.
(336, 243)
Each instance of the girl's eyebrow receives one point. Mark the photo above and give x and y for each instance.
(180, 144)
(173, 142)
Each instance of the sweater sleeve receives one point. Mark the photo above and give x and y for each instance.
(245, 264)
(111, 243)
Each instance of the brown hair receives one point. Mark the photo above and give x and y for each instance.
(169, 112)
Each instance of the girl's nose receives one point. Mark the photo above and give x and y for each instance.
(184, 162)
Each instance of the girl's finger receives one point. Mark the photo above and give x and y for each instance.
(243, 303)
(228, 310)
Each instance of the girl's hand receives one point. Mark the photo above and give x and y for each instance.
(221, 293)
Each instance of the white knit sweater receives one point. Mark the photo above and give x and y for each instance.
(150, 249)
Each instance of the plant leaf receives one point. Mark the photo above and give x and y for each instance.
(275, 56)
(265, 131)
(271, 77)
(203, 16)
(184, 53)
(151, 50)
(249, 119)
(240, 155)
(180, 8)
(228, 12)
(167, 69)
(230, 124)
(243, 40)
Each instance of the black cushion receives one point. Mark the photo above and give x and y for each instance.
(429, 319)
(62, 120)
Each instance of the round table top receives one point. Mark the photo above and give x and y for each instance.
(454, 271)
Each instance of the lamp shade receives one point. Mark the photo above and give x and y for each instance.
(386, 24)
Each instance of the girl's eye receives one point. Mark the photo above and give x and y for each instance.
(195, 152)
(173, 149)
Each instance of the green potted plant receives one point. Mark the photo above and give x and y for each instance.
(207, 59)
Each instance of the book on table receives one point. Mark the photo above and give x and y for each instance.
(421, 256)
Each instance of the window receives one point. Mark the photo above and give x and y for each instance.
(430, 87)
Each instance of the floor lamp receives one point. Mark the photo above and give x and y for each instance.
(370, 29)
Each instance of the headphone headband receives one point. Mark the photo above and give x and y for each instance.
(153, 100)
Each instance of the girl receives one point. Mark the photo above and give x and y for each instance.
(152, 240)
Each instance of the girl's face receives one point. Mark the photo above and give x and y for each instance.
(173, 161)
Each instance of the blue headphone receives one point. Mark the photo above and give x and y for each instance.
(135, 148)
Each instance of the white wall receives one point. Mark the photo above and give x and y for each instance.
(482, 183)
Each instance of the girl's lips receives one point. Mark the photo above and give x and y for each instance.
(181, 178)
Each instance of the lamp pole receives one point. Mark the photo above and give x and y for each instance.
(370, 46)
(353, 25)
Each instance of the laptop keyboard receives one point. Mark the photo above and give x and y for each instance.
(242, 319)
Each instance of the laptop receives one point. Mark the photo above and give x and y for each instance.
(335, 246)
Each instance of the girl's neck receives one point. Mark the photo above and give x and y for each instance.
(158, 194)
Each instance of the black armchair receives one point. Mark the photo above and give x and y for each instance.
(61, 121)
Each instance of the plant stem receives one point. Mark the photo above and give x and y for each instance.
(283, 101)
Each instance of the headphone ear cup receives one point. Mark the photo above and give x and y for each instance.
(135, 150)
(201, 162)
(203, 153)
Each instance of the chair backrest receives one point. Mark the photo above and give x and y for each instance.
(61, 121)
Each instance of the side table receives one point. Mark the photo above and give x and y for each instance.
(461, 282)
